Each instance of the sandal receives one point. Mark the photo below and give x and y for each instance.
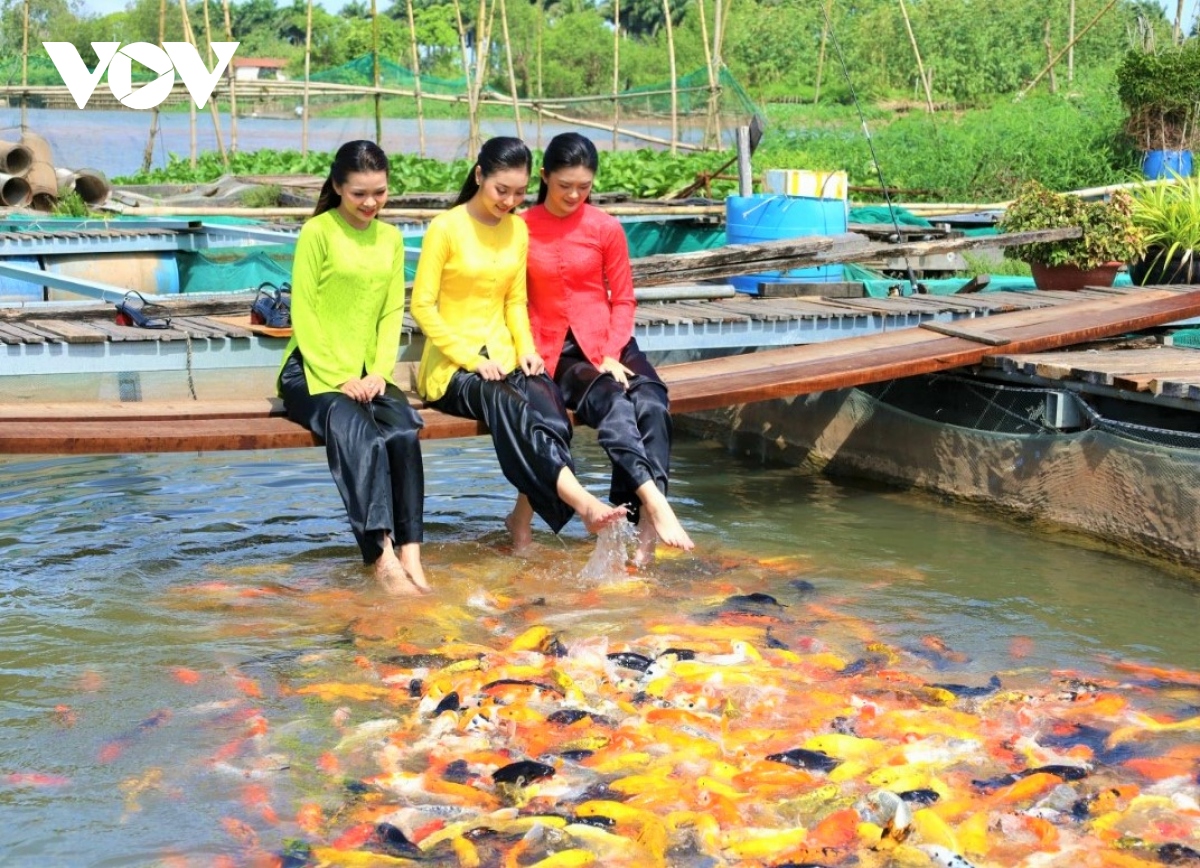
(134, 310)
(272, 306)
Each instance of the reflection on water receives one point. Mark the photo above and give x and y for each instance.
(175, 629)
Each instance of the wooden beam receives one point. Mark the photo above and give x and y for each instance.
(238, 425)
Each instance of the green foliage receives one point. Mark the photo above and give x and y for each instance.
(266, 196)
(70, 204)
(1161, 92)
(1109, 231)
(1168, 215)
(979, 155)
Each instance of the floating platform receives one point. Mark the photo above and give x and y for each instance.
(928, 347)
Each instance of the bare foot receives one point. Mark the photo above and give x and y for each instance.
(393, 578)
(647, 542)
(520, 524)
(597, 515)
(662, 518)
(410, 560)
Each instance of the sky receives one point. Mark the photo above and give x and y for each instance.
(103, 7)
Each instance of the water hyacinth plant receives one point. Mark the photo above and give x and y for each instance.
(1109, 232)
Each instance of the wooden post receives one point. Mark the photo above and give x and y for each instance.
(375, 73)
(745, 173)
(512, 76)
(216, 113)
(674, 81)
(1071, 40)
(472, 116)
(1050, 58)
(1057, 57)
(1177, 30)
(821, 53)
(416, 70)
(190, 36)
(307, 72)
(710, 115)
(25, 68)
(541, 14)
(148, 156)
(616, 70)
(917, 53)
(233, 83)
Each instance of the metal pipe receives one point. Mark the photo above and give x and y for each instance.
(685, 293)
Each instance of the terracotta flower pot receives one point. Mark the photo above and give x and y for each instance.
(1069, 277)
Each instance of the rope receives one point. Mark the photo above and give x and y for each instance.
(187, 336)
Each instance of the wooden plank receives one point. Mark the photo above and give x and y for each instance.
(970, 334)
(204, 327)
(70, 332)
(242, 321)
(943, 353)
(198, 435)
(13, 333)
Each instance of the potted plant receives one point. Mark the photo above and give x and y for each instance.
(1160, 91)
(1168, 215)
(1110, 237)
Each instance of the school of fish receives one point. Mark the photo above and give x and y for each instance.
(741, 719)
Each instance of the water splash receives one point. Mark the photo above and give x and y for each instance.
(608, 559)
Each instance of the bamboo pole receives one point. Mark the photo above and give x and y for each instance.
(375, 73)
(192, 150)
(821, 53)
(232, 73)
(720, 22)
(1071, 40)
(917, 54)
(25, 67)
(307, 73)
(541, 94)
(148, 156)
(190, 36)
(674, 81)
(1057, 57)
(1177, 30)
(416, 70)
(512, 76)
(616, 70)
(472, 111)
(710, 113)
(1050, 57)
(216, 114)
(628, 133)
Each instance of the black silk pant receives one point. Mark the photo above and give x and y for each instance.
(530, 432)
(632, 425)
(374, 455)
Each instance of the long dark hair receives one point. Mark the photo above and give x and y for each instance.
(496, 155)
(357, 156)
(566, 151)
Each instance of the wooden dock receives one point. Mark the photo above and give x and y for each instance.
(1045, 324)
(1161, 372)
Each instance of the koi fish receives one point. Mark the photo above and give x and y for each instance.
(799, 758)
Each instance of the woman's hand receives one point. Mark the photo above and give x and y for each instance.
(366, 389)
(620, 373)
(532, 365)
(489, 370)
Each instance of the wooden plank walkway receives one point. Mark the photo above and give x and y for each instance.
(257, 424)
(1172, 372)
(229, 318)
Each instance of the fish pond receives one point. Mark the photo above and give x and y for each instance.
(194, 671)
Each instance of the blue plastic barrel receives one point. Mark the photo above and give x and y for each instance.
(772, 217)
(13, 289)
(1165, 164)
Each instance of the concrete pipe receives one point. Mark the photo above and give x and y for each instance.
(14, 191)
(43, 186)
(15, 159)
(39, 147)
(92, 187)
